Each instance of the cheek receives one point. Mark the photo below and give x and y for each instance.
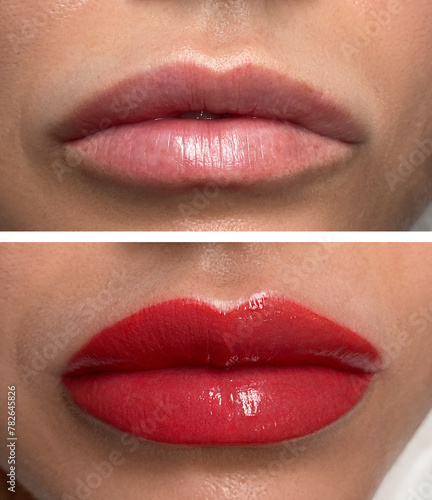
(391, 45)
(409, 295)
(388, 52)
(26, 26)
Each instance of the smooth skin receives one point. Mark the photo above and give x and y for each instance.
(371, 55)
(55, 297)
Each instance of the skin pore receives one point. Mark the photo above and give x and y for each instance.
(371, 56)
(72, 291)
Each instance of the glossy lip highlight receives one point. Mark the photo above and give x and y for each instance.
(267, 371)
(278, 127)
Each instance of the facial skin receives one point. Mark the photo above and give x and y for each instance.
(381, 291)
(371, 56)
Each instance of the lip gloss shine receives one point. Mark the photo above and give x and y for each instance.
(184, 372)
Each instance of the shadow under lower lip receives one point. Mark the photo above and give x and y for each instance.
(202, 406)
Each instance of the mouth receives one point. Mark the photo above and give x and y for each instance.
(186, 124)
(185, 372)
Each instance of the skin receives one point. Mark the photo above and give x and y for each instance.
(373, 56)
(381, 291)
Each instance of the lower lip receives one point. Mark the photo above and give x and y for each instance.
(209, 406)
(229, 151)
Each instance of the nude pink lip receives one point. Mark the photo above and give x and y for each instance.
(261, 125)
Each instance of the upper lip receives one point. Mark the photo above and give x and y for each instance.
(266, 330)
(246, 90)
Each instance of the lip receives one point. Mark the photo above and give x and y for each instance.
(278, 127)
(184, 372)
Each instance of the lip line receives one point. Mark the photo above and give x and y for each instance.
(99, 368)
(93, 116)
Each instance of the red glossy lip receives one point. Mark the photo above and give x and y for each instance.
(270, 127)
(183, 372)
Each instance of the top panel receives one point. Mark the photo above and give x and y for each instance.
(223, 116)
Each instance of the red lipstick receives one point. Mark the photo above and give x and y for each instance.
(185, 372)
(187, 124)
